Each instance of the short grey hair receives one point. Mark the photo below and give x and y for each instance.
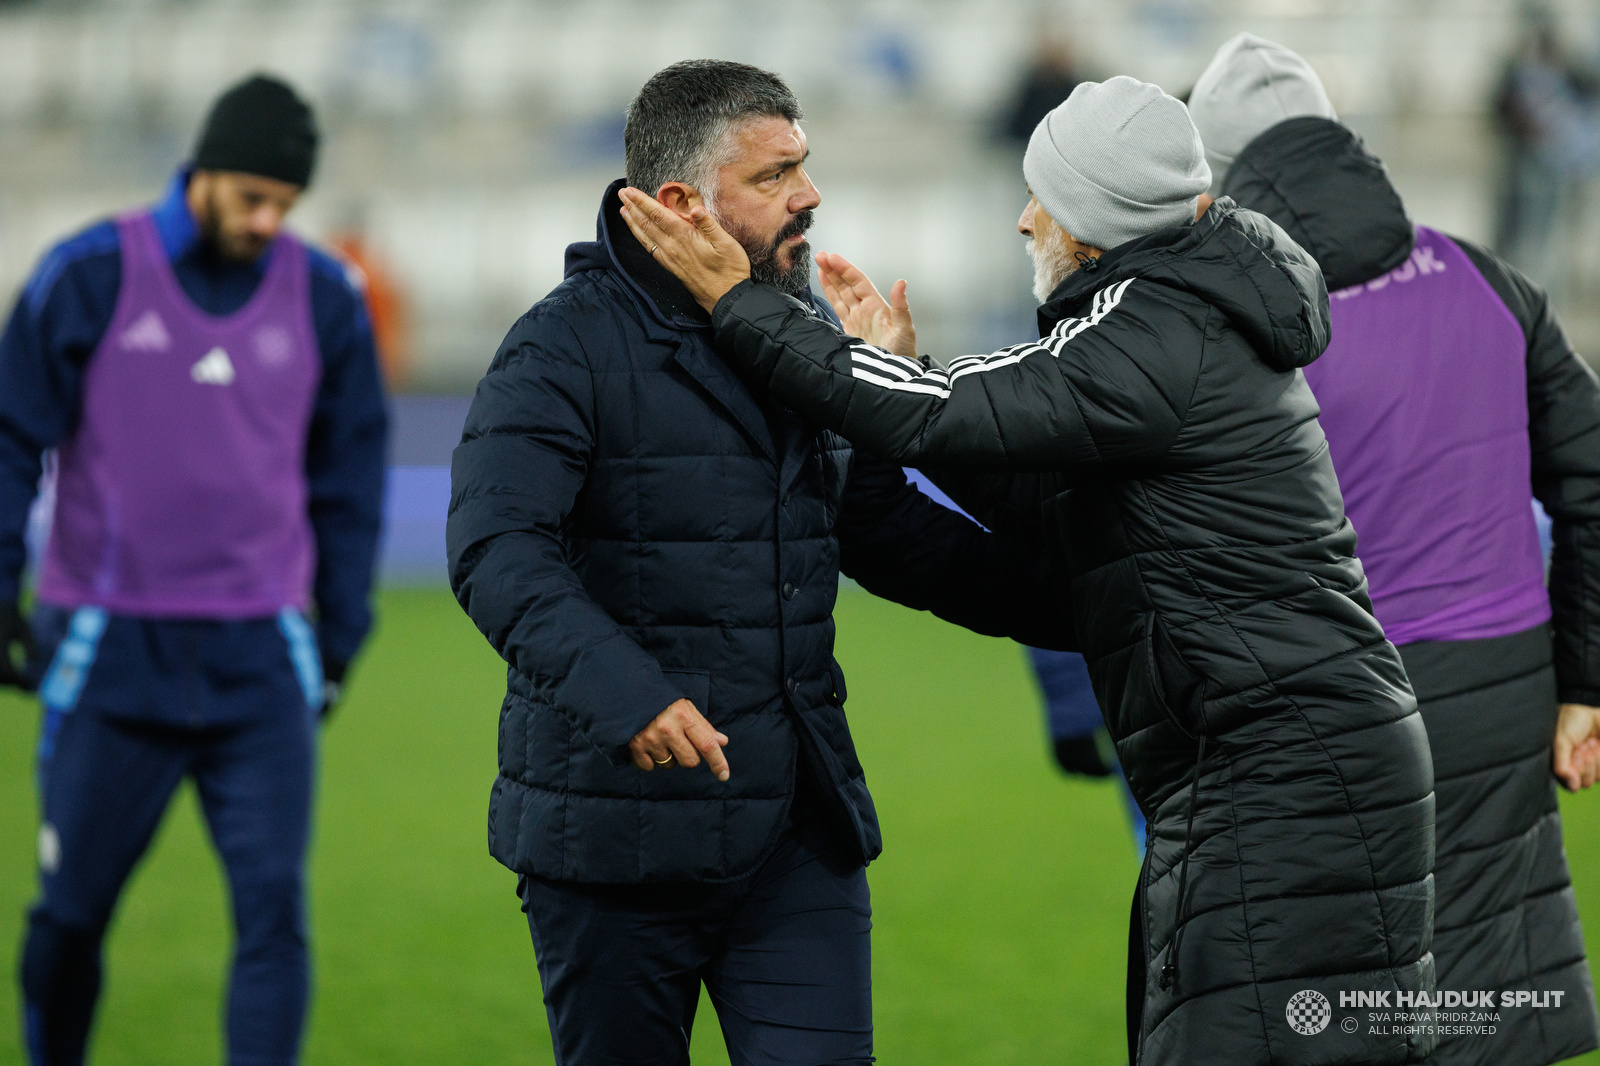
(681, 126)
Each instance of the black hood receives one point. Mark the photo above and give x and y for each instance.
(1313, 177)
(1237, 261)
(616, 249)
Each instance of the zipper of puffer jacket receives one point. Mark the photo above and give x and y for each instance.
(1144, 950)
(1169, 969)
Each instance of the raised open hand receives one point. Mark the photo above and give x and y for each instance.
(863, 310)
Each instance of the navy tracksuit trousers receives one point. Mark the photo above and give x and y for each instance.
(132, 708)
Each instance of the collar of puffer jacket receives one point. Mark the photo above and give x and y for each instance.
(1317, 180)
(1239, 262)
(616, 249)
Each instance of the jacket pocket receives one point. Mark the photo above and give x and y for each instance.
(695, 686)
(1177, 686)
(836, 675)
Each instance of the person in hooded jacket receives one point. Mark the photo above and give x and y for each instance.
(1160, 438)
(1451, 399)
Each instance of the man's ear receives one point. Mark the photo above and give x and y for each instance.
(199, 191)
(678, 198)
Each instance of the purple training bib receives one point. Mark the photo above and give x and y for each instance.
(182, 492)
(1424, 397)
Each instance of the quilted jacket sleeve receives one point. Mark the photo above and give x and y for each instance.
(1564, 431)
(523, 458)
(1100, 390)
(903, 546)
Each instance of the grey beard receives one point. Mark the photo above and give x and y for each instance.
(794, 281)
(764, 267)
(1051, 265)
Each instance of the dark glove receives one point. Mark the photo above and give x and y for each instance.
(1085, 755)
(333, 671)
(16, 649)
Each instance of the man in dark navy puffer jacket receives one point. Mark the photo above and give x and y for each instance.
(655, 550)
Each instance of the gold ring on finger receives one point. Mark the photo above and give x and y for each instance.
(662, 762)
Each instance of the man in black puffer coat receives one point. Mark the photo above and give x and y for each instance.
(655, 549)
(1450, 398)
(1166, 443)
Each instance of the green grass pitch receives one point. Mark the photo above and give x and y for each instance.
(1000, 905)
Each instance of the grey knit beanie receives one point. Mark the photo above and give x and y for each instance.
(1118, 160)
(1252, 85)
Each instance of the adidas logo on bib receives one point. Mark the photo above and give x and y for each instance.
(214, 368)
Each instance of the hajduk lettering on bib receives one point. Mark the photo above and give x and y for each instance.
(1424, 397)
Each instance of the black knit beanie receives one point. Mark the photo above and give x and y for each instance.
(260, 127)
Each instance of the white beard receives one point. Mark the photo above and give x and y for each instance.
(1052, 263)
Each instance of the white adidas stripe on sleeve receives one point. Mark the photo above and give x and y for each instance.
(887, 370)
(875, 366)
(1102, 304)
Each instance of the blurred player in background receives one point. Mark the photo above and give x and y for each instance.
(208, 384)
(1545, 110)
(1451, 398)
(1079, 740)
(1049, 78)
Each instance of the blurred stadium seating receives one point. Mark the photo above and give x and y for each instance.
(469, 140)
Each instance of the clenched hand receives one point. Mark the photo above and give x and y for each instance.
(679, 734)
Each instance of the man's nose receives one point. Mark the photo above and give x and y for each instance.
(806, 199)
(1025, 223)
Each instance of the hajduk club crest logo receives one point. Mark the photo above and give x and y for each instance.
(1309, 1012)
